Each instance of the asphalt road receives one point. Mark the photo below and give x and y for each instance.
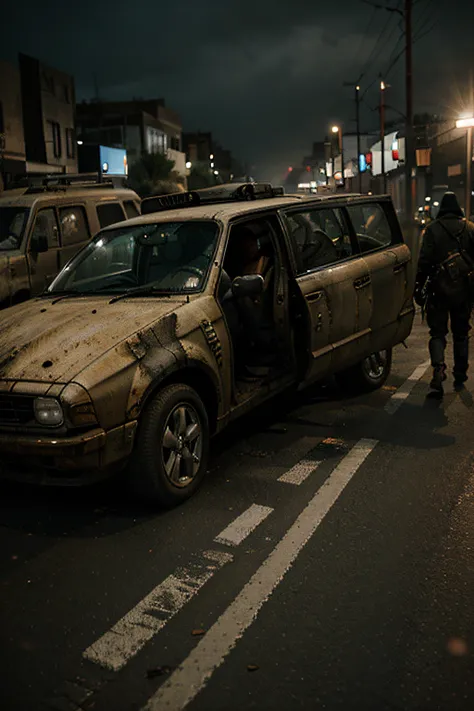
(327, 563)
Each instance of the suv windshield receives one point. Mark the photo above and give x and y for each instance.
(171, 257)
(12, 226)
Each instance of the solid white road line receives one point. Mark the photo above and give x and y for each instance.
(404, 391)
(300, 472)
(115, 648)
(190, 678)
(239, 529)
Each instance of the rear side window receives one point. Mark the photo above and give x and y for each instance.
(109, 213)
(74, 227)
(371, 226)
(319, 237)
(131, 209)
(46, 226)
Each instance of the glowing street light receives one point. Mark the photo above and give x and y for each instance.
(467, 122)
(188, 165)
(338, 130)
(211, 157)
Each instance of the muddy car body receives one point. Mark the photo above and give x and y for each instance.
(43, 226)
(107, 371)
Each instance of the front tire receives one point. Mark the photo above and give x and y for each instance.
(368, 375)
(172, 447)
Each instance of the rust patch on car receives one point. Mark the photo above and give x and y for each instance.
(159, 352)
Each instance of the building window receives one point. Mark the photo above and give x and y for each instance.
(70, 143)
(48, 83)
(56, 138)
(74, 228)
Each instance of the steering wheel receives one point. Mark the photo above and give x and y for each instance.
(191, 270)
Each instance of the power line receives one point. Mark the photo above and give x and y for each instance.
(369, 25)
(375, 47)
(423, 16)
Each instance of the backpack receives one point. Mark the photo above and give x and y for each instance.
(455, 275)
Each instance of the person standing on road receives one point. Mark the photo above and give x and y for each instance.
(444, 287)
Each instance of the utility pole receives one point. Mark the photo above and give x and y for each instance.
(409, 139)
(357, 97)
(382, 134)
(468, 172)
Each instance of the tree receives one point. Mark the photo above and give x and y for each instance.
(202, 177)
(153, 174)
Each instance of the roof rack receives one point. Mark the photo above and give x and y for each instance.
(229, 192)
(62, 181)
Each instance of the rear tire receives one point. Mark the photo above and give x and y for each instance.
(171, 451)
(368, 375)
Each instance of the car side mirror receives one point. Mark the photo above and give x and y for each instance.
(39, 244)
(250, 285)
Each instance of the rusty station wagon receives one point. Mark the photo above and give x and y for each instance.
(166, 327)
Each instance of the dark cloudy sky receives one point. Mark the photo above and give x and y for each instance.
(265, 76)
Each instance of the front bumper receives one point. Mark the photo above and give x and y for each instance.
(81, 459)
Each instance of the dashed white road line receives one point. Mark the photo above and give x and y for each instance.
(300, 472)
(117, 646)
(404, 391)
(190, 678)
(243, 526)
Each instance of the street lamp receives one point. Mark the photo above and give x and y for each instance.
(467, 122)
(338, 130)
(188, 165)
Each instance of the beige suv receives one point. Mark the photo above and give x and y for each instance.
(43, 226)
(167, 327)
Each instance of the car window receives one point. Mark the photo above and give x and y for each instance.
(74, 226)
(172, 257)
(131, 209)
(320, 237)
(371, 226)
(46, 225)
(12, 226)
(109, 213)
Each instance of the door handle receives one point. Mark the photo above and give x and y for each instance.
(362, 282)
(314, 297)
(399, 267)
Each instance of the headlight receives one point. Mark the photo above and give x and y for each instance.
(48, 411)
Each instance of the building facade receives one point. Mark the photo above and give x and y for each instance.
(48, 101)
(12, 139)
(139, 126)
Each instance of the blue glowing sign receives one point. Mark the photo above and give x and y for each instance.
(113, 161)
(362, 163)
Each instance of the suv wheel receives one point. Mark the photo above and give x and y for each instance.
(370, 374)
(171, 452)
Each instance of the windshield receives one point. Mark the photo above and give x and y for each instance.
(12, 226)
(169, 257)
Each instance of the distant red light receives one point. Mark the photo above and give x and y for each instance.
(368, 158)
(396, 155)
(308, 168)
(290, 169)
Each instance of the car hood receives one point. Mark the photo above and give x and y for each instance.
(50, 342)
